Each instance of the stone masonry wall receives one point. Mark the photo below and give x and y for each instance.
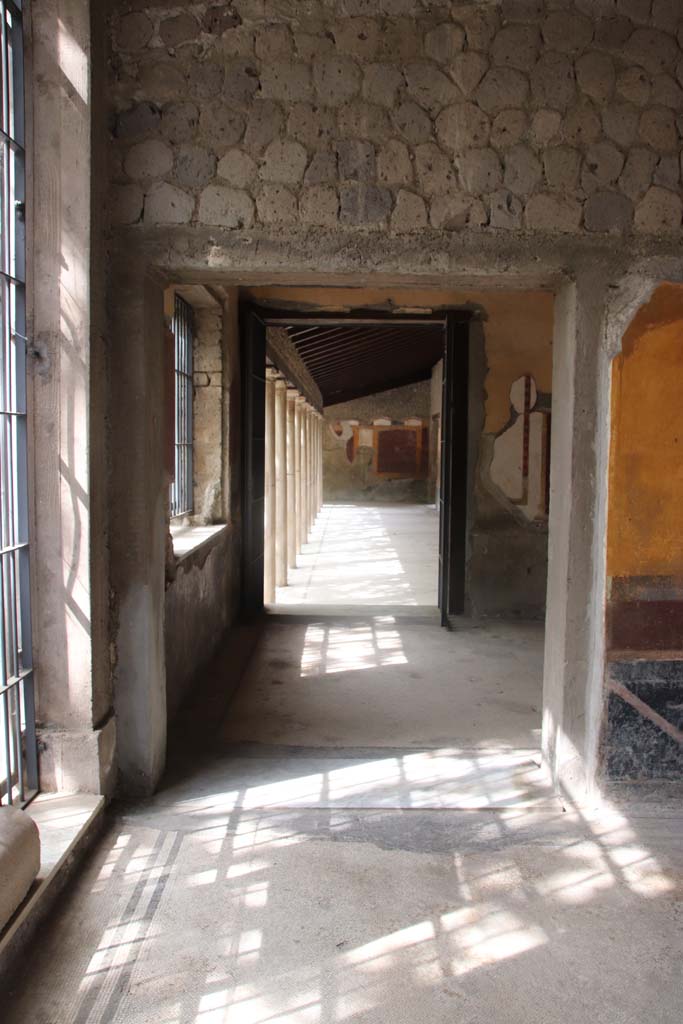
(399, 115)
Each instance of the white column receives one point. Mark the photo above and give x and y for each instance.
(280, 483)
(321, 434)
(292, 396)
(307, 506)
(269, 517)
(299, 431)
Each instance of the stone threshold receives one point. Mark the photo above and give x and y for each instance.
(68, 823)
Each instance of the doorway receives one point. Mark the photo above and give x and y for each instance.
(341, 418)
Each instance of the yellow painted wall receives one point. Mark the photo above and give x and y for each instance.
(645, 522)
(518, 328)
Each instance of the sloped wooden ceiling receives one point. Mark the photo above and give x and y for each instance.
(350, 360)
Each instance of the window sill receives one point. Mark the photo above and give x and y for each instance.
(189, 539)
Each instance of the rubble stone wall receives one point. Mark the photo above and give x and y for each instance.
(399, 116)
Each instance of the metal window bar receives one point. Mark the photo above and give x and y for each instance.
(18, 749)
(183, 333)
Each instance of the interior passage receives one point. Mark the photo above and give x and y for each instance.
(367, 555)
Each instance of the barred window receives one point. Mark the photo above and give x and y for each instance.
(183, 333)
(18, 753)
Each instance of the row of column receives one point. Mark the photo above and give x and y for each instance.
(293, 479)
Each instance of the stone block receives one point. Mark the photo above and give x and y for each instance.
(602, 166)
(481, 22)
(553, 213)
(612, 32)
(238, 41)
(634, 85)
(620, 123)
(218, 19)
(636, 177)
(364, 205)
(356, 160)
(545, 126)
(237, 168)
(668, 172)
(125, 204)
(561, 165)
(319, 205)
(178, 29)
(636, 10)
(652, 49)
(314, 127)
(516, 46)
(657, 128)
(179, 121)
(608, 212)
(429, 87)
(147, 160)
(167, 204)
(19, 859)
(284, 162)
(522, 10)
(552, 81)
(666, 14)
(357, 37)
(467, 71)
(463, 126)
(205, 79)
(413, 123)
(220, 124)
(394, 166)
(264, 124)
(381, 83)
(275, 204)
(322, 169)
(273, 42)
(502, 88)
(364, 120)
(509, 127)
(659, 212)
(444, 42)
(410, 213)
(581, 126)
(435, 172)
(480, 171)
(195, 166)
(523, 170)
(134, 31)
(286, 81)
(220, 206)
(567, 31)
(309, 46)
(140, 119)
(457, 211)
(399, 40)
(160, 80)
(506, 211)
(666, 92)
(336, 79)
(240, 84)
(595, 75)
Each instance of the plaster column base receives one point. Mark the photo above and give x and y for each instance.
(78, 762)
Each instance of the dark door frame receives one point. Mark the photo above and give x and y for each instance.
(254, 321)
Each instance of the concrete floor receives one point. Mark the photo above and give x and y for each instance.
(317, 862)
(367, 555)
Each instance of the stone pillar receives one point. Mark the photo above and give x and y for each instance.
(307, 496)
(299, 470)
(280, 483)
(574, 636)
(319, 457)
(292, 396)
(269, 517)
